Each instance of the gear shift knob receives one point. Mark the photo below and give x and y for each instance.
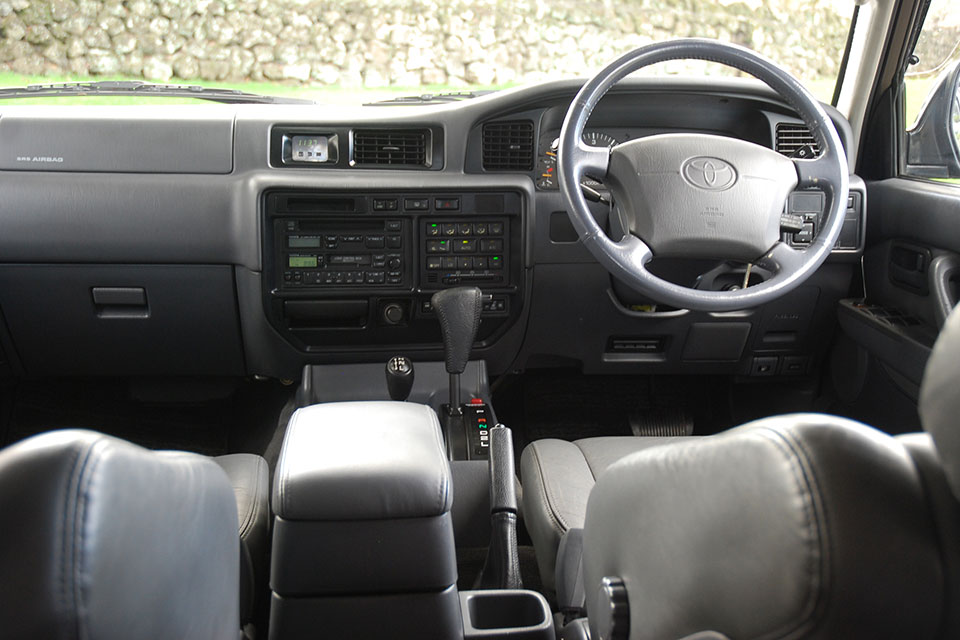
(399, 377)
(459, 312)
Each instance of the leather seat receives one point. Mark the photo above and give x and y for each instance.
(250, 478)
(103, 539)
(799, 526)
(557, 479)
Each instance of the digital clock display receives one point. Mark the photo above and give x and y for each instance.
(303, 262)
(310, 148)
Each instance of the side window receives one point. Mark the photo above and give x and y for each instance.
(931, 88)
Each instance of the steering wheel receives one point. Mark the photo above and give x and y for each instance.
(698, 195)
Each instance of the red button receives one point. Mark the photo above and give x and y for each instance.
(476, 401)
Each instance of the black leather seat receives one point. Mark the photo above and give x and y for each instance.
(104, 539)
(799, 526)
(250, 478)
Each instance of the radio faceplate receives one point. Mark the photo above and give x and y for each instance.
(347, 269)
(342, 253)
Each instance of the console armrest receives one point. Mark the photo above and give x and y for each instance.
(362, 461)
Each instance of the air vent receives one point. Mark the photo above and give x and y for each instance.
(792, 137)
(508, 146)
(391, 147)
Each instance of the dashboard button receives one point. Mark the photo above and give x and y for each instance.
(465, 246)
(394, 225)
(416, 204)
(433, 229)
(393, 242)
(449, 263)
(491, 246)
(447, 204)
(449, 229)
(434, 263)
(438, 246)
(480, 263)
(374, 242)
(465, 229)
(496, 262)
(496, 228)
(465, 264)
(480, 228)
(385, 204)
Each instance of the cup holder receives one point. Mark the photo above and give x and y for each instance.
(514, 614)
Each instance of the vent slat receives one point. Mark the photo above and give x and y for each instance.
(390, 147)
(508, 146)
(791, 137)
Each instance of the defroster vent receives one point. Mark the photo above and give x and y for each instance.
(400, 147)
(792, 137)
(508, 146)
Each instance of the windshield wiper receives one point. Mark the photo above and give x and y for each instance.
(135, 87)
(432, 98)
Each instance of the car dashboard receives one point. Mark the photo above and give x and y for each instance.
(256, 239)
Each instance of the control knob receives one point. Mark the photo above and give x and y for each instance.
(393, 263)
(393, 313)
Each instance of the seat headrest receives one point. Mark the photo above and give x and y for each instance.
(105, 539)
(940, 398)
(795, 526)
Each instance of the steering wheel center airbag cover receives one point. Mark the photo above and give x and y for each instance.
(702, 196)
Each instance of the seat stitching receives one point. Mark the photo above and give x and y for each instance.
(86, 477)
(66, 596)
(555, 516)
(251, 513)
(796, 454)
(587, 460)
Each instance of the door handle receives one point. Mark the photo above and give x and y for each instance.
(120, 302)
(908, 267)
(944, 275)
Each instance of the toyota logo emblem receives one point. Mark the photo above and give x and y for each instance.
(710, 174)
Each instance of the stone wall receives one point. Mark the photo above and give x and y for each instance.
(392, 42)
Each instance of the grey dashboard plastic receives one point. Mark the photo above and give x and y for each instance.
(200, 205)
(185, 140)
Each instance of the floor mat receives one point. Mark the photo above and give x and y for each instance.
(210, 427)
(569, 405)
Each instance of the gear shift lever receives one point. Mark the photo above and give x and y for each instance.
(459, 312)
(399, 377)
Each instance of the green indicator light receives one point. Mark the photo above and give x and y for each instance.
(433, 225)
(496, 257)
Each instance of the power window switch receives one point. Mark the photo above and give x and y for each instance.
(764, 365)
(794, 365)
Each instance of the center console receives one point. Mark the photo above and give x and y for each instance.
(363, 539)
(353, 270)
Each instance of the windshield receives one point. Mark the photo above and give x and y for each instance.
(366, 50)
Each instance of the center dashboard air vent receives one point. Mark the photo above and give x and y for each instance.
(508, 146)
(793, 137)
(391, 147)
